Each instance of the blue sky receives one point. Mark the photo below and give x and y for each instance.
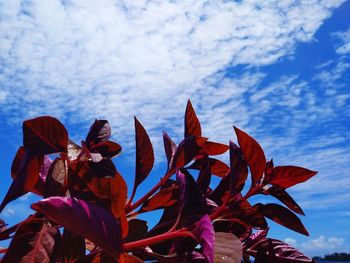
(280, 70)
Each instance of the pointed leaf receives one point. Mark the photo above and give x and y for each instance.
(144, 153)
(238, 169)
(34, 242)
(253, 154)
(187, 150)
(100, 131)
(217, 167)
(287, 176)
(169, 148)
(192, 125)
(215, 148)
(164, 198)
(84, 219)
(107, 149)
(73, 150)
(282, 216)
(276, 251)
(285, 198)
(227, 248)
(44, 135)
(204, 176)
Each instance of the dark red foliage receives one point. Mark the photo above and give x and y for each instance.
(86, 197)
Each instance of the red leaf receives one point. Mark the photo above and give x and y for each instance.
(34, 241)
(285, 198)
(192, 125)
(282, 216)
(187, 150)
(84, 219)
(215, 148)
(144, 154)
(276, 251)
(204, 176)
(238, 169)
(217, 167)
(45, 135)
(107, 149)
(164, 198)
(56, 182)
(253, 154)
(170, 148)
(287, 176)
(100, 131)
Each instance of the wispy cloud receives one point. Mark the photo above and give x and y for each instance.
(343, 47)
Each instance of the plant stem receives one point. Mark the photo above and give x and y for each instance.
(156, 239)
(150, 193)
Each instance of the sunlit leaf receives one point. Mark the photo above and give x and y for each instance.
(287, 176)
(192, 125)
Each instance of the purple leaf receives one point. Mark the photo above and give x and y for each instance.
(45, 168)
(84, 219)
(204, 232)
(192, 125)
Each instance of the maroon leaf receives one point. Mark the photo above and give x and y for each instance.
(56, 182)
(100, 131)
(107, 149)
(87, 220)
(238, 169)
(215, 148)
(204, 232)
(282, 216)
(204, 176)
(253, 154)
(192, 125)
(34, 241)
(287, 176)
(137, 230)
(217, 167)
(73, 246)
(144, 154)
(164, 198)
(187, 150)
(276, 251)
(44, 135)
(170, 148)
(285, 198)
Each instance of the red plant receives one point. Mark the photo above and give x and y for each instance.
(85, 197)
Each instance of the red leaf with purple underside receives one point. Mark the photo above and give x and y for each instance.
(276, 251)
(192, 125)
(144, 153)
(287, 176)
(45, 135)
(100, 131)
(282, 216)
(44, 169)
(284, 197)
(169, 148)
(253, 154)
(33, 242)
(84, 219)
(217, 167)
(187, 150)
(238, 169)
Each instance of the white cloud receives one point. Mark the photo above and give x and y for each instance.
(323, 244)
(291, 241)
(344, 46)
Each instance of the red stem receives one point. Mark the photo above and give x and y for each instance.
(156, 239)
(150, 193)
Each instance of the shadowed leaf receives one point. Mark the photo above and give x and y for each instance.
(56, 180)
(238, 169)
(169, 148)
(33, 242)
(44, 135)
(204, 176)
(192, 125)
(217, 167)
(100, 131)
(282, 216)
(73, 246)
(107, 149)
(87, 220)
(164, 198)
(137, 230)
(253, 154)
